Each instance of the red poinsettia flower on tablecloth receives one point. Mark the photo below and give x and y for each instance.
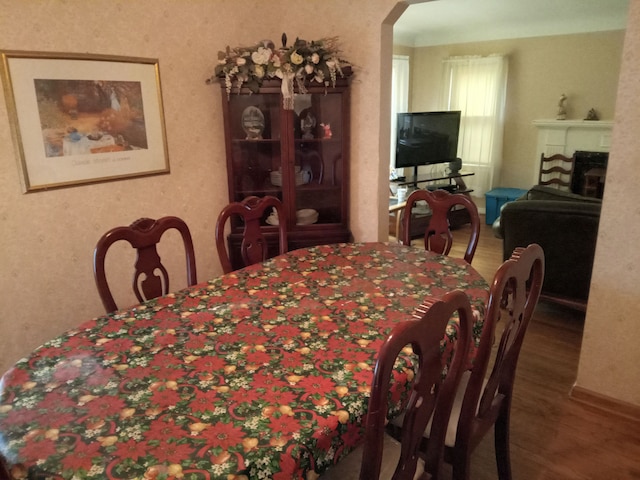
(319, 275)
(266, 380)
(286, 330)
(163, 429)
(41, 448)
(285, 425)
(165, 338)
(132, 449)
(267, 314)
(326, 431)
(172, 452)
(105, 406)
(280, 397)
(316, 383)
(258, 357)
(393, 285)
(82, 457)
(203, 401)
(224, 435)
(196, 342)
(363, 376)
(118, 345)
(209, 363)
(291, 360)
(244, 396)
(190, 302)
(165, 397)
(353, 435)
(288, 468)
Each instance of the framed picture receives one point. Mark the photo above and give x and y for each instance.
(84, 118)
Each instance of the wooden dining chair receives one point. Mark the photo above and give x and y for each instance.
(4, 469)
(438, 237)
(254, 247)
(150, 279)
(556, 171)
(482, 404)
(432, 393)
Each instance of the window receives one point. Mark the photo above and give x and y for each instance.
(477, 87)
(399, 99)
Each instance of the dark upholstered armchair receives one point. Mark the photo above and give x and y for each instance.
(565, 225)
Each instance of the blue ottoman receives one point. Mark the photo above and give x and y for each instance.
(496, 198)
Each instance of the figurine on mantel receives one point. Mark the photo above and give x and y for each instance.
(592, 115)
(562, 108)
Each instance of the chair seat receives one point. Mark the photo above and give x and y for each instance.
(348, 468)
(450, 438)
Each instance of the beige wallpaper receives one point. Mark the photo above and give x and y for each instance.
(47, 238)
(610, 360)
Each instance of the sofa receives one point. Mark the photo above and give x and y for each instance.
(565, 225)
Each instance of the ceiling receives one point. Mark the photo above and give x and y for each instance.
(441, 22)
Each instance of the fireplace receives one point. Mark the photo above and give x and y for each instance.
(590, 140)
(585, 162)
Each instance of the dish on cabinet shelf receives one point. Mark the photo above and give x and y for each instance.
(304, 216)
(302, 177)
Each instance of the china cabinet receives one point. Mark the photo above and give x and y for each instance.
(300, 156)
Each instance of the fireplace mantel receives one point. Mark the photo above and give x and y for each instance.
(568, 136)
(566, 124)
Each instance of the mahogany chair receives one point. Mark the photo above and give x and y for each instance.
(150, 279)
(432, 393)
(556, 171)
(4, 469)
(482, 404)
(438, 237)
(254, 247)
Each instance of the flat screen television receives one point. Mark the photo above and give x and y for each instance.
(427, 138)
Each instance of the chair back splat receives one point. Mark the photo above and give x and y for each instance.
(150, 279)
(556, 171)
(438, 237)
(431, 393)
(254, 247)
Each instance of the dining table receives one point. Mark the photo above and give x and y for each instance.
(264, 372)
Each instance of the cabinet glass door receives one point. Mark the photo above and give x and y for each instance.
(319, 167)
(255, 126)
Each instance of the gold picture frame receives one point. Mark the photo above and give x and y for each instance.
(80, 118)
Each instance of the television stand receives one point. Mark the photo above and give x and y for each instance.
(452, 182)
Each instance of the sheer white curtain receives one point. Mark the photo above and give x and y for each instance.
(399, 99)
(477, 87)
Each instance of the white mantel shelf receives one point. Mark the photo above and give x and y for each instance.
(573, 123)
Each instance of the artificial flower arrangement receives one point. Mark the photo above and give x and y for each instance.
(315, 61)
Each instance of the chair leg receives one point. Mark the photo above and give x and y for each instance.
(503, 458)
(461, 467)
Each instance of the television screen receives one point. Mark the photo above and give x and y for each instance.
(426, 138)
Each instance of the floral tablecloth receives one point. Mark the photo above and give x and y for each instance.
(261, 373)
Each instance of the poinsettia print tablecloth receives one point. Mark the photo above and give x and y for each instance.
(261, 373)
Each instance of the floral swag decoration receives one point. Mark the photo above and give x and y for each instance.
(316, 61)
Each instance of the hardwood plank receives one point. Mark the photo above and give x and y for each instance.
(552, 436)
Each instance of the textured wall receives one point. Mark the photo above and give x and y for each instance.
(610, 359)
(47, 240)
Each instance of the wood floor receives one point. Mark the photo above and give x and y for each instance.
(552, 436)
